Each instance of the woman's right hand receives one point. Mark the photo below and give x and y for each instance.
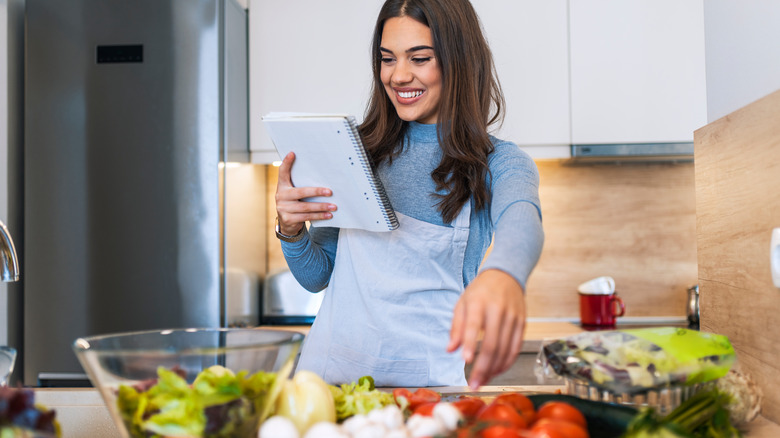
(291, 211)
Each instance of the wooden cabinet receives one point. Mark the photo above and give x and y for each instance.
(637, 70)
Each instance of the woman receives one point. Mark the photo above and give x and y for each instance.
(399, 304)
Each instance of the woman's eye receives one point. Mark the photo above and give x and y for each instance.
(387, 60)
(421, 60)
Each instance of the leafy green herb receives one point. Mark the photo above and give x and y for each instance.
(704, 415)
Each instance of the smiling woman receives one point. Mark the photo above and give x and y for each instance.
(407, 306)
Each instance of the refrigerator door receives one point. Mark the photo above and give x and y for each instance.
(124, 131)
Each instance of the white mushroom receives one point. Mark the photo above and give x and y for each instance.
(447, 414)
(423, 426)
(278, 427)
(355, 423)
(390, 416)
(371, 430)
(398, 433)
(326, 429)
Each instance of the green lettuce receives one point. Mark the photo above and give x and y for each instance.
(217, 404)
(359, 397)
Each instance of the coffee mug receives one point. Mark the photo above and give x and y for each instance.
(599, 304)
(600, 309)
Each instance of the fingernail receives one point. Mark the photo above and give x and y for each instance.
(475, 384)
(468, 355)
(332, 207)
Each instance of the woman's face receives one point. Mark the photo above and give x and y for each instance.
(410, 72)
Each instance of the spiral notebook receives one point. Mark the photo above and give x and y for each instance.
(329, 153)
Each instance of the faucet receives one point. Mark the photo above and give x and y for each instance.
(10, 265)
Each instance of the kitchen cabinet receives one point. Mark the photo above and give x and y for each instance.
(637, 71)
(307, 56)
(300, 61)
(594, 72)
(529, 41)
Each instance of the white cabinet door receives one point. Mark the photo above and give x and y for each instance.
(637, 70)
(307, 56)
(310, 55)
(529, 41)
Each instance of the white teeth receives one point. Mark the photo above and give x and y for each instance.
(409, 94)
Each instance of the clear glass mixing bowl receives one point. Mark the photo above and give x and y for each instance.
(133, 359)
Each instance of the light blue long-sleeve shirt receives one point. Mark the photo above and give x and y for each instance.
(514, 214)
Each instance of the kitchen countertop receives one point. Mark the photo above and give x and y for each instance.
(82, 413)
(537, 330)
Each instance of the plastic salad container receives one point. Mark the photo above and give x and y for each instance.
(658, 367)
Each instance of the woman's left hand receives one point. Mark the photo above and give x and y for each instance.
(493, 304)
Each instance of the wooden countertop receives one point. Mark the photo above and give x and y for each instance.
(535, 332)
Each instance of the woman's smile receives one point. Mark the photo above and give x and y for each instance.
(408, 97)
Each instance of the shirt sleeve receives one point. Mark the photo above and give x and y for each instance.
(311, 259)
(515, 213)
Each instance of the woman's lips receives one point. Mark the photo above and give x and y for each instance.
(408, 96)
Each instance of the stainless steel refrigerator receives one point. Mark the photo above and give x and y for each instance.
(130, 106)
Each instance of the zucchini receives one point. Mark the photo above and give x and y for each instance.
(605, 420)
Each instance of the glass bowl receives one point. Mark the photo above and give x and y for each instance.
(131, 363)
(7, 361)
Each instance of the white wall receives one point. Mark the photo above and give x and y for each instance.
(742, 50)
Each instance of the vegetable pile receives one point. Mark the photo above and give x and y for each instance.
(21, 417)
(220, 403)
(423, 413)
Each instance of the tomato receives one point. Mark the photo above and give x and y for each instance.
(469, 407)
(499, 431)
(565, 428)
(411, 400)
(562, 411)
(522, 404)
(542, 432)
(503, 415)
(425, 409)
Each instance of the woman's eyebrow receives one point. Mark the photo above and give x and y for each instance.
(412, 49)
(416, 48)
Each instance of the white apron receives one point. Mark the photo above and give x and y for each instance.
(388, 307)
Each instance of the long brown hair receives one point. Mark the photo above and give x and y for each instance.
(471, 101)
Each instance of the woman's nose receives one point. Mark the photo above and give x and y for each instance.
(402, 74)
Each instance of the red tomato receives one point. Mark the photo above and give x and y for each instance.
(406, 398)
(499, 431)
(469, 407)
(503, 415)
(565, 428)
(522, 404)
(562, 411)
(425, 409)
(541, 432)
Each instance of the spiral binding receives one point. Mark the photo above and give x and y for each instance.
(376, 184)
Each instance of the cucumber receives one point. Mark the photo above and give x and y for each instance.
(605, 420)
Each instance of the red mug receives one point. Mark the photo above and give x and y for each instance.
(600, 309)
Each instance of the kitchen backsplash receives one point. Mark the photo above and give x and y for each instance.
(634, 222)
